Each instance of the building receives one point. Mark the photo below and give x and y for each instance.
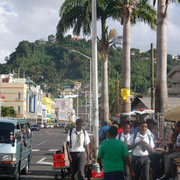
(64, 110)
(23, 95)
(47, 102)
(145, 102)
(53, 114)
(174, 84)
(39, 108)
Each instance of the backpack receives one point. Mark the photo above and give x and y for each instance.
(149, 137)
(71, 140)
(103, 135)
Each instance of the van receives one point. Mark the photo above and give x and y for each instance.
(15, 147)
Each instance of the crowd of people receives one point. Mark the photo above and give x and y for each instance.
(127, 151)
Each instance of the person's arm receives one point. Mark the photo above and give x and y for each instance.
(68, 151)
(100, 163)
(126, 159)
(132, 146)
(87, 151)
(149, 148)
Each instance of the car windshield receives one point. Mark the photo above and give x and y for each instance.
(6, 132)
(34, 125)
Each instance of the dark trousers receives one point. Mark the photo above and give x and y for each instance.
(140, 165)
(78, 164)
(155, 165)
(116, 175)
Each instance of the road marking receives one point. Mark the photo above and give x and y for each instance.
(53, 149)
(40, 143)
(35, 150)
(41, 161)
(48, 132)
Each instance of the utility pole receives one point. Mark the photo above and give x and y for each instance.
(95, 74)
(117, 95)
(152, 77)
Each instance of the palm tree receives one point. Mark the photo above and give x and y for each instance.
(130, 12)
(76, 14)
(161, 94)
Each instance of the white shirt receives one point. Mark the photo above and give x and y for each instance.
(137, 151)
(123, 136)
(150, 133)
(178, 141)
(74, 140)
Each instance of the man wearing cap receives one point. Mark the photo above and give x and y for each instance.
(78, 149)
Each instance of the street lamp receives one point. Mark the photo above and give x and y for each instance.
(90, 106)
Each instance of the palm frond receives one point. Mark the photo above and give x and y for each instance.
(145, 13)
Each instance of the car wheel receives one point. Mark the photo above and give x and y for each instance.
(26, 169)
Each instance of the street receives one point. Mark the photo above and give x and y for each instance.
(44, 143)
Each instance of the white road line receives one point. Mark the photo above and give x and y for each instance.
(48, 132)
(46, 163)
(53, 149)
(35, 150)
(40, 143)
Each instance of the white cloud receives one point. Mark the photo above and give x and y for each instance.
(34, 19)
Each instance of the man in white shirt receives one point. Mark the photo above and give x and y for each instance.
(141, 144)
(77, 149)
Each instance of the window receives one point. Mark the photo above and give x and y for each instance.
(19, 96)
(19, 109)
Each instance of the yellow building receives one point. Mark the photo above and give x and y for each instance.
(47, 101)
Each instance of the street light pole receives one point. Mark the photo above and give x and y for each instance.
(90, 97)
(95, 74)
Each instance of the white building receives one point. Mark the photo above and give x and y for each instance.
(64, 110)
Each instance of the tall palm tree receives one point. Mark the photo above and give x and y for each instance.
(76, 14)
(131, 11)
(161, 93)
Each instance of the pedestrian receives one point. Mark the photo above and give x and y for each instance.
(114, 153)
(125, 137)
(142, 145)
(24, 136)
(173, 153)
(78, 149)
(103, 132)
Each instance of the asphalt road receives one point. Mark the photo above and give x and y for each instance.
(44, 143)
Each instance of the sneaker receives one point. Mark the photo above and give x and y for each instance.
(164, 177)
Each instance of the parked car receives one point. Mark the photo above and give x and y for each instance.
(35, 127)
(15, 147)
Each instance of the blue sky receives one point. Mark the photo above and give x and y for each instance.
(35, 19)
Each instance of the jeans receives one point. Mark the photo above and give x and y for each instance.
(78, 164)
(116, 175)
(140, 165)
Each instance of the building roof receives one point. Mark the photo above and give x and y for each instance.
(175, 69)
(29, 81)
(172, 102)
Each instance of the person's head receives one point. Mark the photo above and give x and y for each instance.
(142, 127)
(151, 123)
(79, 124)
(22, 130)
(112, 132)
(177, 127)
(126, 127)
(105, 123)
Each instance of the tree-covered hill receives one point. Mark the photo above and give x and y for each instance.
(48, 63)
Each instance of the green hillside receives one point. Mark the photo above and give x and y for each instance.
(49, 63)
